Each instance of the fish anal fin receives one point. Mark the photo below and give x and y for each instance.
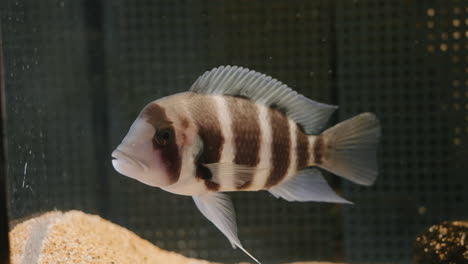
(308, 185)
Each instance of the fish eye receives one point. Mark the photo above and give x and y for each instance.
(163, 136)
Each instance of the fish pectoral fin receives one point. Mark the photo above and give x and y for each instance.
(217, 207)
(240, 173)
(307, 186)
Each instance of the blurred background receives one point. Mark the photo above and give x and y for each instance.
(78, 72)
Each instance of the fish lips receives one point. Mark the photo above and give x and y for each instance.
(127, 165)
(135, 168)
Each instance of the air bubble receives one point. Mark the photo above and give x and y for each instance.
(431, 12)
(422, 210)
(430, 48)
(444, 35)
(443, 47)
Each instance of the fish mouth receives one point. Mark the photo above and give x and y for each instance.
(120, 156)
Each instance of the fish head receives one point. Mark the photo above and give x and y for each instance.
(151, 150)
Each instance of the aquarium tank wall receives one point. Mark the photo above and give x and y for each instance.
(77, 73)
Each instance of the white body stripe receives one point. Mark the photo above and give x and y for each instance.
(292, 151)
(188, 184)
(311, 150)
(229, 149)
(264, 166)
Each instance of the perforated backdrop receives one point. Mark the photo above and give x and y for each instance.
(406, 61)
(78, 72)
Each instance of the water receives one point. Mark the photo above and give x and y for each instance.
(78, 72)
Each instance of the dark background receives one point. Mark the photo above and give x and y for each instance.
(78, 72)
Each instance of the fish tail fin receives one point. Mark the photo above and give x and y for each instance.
(349, 149)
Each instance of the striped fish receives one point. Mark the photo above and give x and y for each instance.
(240, 130)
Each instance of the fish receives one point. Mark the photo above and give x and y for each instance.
(240, 130)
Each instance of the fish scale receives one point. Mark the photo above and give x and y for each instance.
(280, 147)
(240, 130)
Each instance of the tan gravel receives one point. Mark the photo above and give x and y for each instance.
(76, 237)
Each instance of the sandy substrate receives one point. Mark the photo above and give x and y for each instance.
(76, 237)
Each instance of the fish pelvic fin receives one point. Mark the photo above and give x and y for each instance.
(218, 208)
(349, 149)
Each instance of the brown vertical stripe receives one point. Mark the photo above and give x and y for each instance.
(156, 116)
(246, 133)
(205, 174)
(319, 150)
(302, 148)
(281, 146)
(206, 119)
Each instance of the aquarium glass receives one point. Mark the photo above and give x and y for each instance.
(77, 73)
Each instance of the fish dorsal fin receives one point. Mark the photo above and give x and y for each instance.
(263, 89)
